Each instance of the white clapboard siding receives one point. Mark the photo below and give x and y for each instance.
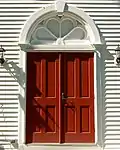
(106, 15)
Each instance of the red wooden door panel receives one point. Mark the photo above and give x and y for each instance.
(42, 119)
(60, 98)
(78, 89)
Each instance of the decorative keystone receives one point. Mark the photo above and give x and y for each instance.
(60, 5)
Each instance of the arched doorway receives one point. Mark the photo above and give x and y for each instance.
(60, 88)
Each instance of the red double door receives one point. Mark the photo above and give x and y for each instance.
(60, 98)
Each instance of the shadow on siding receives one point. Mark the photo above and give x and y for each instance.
(6, 111)
(1, 147)
(111, 100)
(109, 96)
(17, 73)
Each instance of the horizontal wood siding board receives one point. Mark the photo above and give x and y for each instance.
(13, 15)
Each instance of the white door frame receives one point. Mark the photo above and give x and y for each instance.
(93, 46)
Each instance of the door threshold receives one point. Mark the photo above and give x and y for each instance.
(61, 144)
(57, 146)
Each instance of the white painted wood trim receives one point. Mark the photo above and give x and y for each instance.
(65, 48)
(22, 101)
(33, 20)
(63, 147)
(60, 5)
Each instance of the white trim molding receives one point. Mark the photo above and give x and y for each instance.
(58, 48)
(94, 45)
(33, 21)
(57, 146)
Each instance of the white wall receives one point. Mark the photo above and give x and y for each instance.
(13, 14)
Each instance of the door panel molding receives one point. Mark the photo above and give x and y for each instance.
(54, 116)
(42, 119)
(97, 94)
(74, 102)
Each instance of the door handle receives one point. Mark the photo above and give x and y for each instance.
(64, 100)
(63, 96)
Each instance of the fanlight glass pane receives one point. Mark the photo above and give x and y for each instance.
(77, 33)
(66, 27)
(42, 36)
(53, 26)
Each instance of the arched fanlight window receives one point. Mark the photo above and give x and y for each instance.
(58, 30)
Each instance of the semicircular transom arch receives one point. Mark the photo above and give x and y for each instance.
(58, 30)
(48, 27)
